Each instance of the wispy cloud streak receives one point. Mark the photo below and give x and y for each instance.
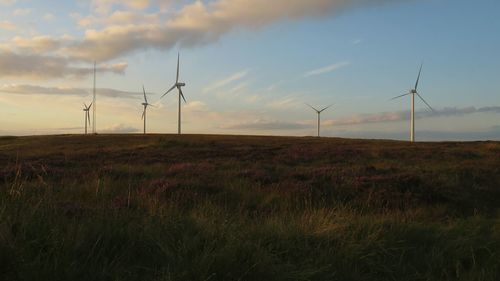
(226, 81)
(327, 69)
(267, 125)
(62, 91)
(405, 115)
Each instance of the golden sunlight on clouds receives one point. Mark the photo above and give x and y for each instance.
(112, 35)
(7, 25)
(104, 6)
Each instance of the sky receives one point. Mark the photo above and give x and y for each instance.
(250, 66)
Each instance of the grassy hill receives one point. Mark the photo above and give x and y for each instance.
(196, 207)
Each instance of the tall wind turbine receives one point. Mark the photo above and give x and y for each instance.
(414, 92)
(94, 102)
(86, 111)
(179, 86)
(319, 113)
(145, 104)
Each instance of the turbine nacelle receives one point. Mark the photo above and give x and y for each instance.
(177, 84)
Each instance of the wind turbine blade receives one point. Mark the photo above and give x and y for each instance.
(144, 91)
(418, 78)
(173, 87)
(326, 108)
(143, 113)
(85, 105)
(425, 102)
(90, 105)
(400, 96)
(182, 95)
(312, 107)
(88, 117)
(178, 59)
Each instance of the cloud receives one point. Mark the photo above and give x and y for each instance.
(21, 12)
(284, 103)
(263, 125)
(49, 17)
(7, 25)
(194, 24)
(48, 67)
(195, 106)
(7, 2)
(64, 91)
(405, 115)
(119, 129)
(37, 44)
(118, 18)
(267, 125)
(327, 69)
(226, 81)
(105, 6)
(357, 41)
(117, 33)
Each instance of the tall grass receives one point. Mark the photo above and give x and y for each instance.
(249, 208)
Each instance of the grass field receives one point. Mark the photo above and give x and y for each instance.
(247, 208)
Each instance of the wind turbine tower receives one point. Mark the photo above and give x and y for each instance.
(145, 104)
(86, 111)
(319, 115)
(412, 93)
(179, 86)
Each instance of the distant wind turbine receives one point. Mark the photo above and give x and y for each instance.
(179, 86)
(145, 104)
(86, 111)
(319, 114)
(414, 92)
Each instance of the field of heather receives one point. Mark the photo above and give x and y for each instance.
(200, 207)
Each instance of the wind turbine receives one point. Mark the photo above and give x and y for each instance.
(145, 104)
(319, 113)
(414, 92)
(179, 86)
(86, 111)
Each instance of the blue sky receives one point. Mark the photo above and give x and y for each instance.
(250, 66)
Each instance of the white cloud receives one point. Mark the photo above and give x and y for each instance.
(327, 69)
(7, 25)
(37, 67)
(267, 125)
(284, 103)
(194, 24)
(117, 33)
(405, 115)
(49, 17)
(195, 106)
(105, 6)
(119, 129)
(7, 2)
(64, 91)
(118, 18)
(21, 12)
(37, 44)
(226, 81)
(357, 41)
